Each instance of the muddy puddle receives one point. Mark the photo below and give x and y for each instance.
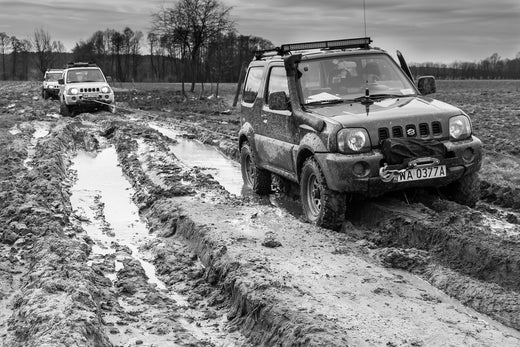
(101, 197)
(225, 170)
(196, 154)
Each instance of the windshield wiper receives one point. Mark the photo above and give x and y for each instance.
(325, 102)
(385, 96)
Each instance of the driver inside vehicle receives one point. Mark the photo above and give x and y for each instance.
(371, 72)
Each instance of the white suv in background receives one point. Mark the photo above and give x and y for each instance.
(84, 87)
(50, 86)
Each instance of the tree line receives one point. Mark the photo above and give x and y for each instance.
(492, 67)
(193, 41)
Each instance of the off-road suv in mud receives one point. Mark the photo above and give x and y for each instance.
(50, 85)
(83, 86)
(341, 118)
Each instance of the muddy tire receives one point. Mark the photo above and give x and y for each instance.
(257, 179)
(66, 111)
(321, 205)
(466, 190)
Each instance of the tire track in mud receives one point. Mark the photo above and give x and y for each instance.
(54, 303)
(262, 322)
(140, 307)
(479, 267)
(463, 258)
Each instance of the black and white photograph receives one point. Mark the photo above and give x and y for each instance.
(226, 173)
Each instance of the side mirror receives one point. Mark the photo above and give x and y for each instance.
(61, 81)
(279, 101)
(426, 85)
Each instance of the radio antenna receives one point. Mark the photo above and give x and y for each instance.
(364, 18)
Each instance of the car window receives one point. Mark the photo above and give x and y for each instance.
(348, 77)
(277, 81)
(252, 85)
(84, 75)
(53, 76)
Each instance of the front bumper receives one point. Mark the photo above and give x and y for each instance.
(90, 99)
(339, 169)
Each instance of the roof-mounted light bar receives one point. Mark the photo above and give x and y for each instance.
(81, 64)
(362, 42)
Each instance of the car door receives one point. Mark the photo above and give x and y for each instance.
(276, 136)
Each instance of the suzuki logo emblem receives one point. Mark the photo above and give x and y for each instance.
(410, 132)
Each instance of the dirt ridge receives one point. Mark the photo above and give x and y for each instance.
(490, 266)
(58, 285)
(258, 317)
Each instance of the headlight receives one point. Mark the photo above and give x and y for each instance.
(353, 140)
(460, 127)
(73, 91)
(105, 90)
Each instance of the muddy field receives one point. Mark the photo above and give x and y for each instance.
(134, 228)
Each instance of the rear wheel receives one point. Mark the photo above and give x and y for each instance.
(466, 190)
(257, 179)
(321, 205)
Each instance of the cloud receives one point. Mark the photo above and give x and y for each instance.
(440, 30)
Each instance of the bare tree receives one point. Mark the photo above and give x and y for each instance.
(4, 44)
(194, 24)
(153, 40)
(16, 47)
(46, 50)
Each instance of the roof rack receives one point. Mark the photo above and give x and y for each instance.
(361, 43)
(80, 64)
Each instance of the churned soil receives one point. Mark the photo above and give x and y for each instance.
(218, 269)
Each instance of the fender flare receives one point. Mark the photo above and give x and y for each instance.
(310, 143)
(247, 134)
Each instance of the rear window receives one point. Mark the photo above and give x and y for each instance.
(252, 85)
(277, 81)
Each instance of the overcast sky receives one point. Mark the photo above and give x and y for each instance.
(423, 30)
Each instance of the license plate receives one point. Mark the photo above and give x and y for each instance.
(422, 173)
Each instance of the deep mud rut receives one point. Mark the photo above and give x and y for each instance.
(119, 230)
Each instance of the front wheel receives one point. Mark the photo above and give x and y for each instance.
(466, 190)
(255, 178)
(66, 110)
(321, 205)
(111, 108)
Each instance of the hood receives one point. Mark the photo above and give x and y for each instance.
(394, 116)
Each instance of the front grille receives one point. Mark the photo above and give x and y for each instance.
(436, 128)
(423, 129)
(383, 134)
(411, 130)
(397, 131)
(89, 90)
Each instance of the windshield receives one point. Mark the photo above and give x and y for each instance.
(52, 76)
(347, 78)
(85, 75)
